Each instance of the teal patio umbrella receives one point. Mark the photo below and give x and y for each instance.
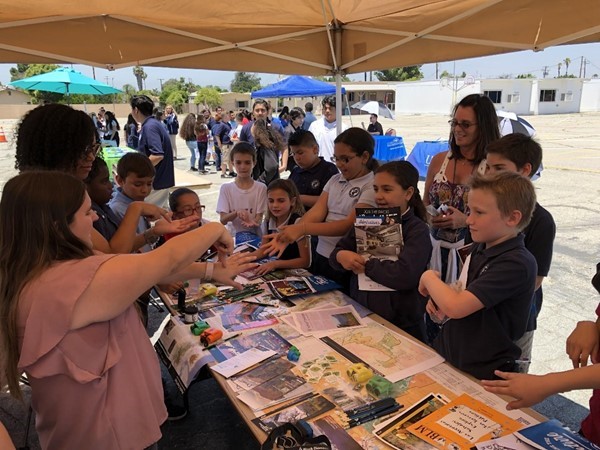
(65, 81)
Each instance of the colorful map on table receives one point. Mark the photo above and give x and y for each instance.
(391, 354)
(264, 340)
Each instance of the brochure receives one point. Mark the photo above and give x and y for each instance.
(378, 235)
(264, 340)
(328, 319)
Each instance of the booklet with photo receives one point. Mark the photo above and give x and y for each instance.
(394, 431)
(313, 406)
(462, 423)
(291, 287)
(378, 235)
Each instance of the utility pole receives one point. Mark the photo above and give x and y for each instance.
(160, 80)
(581, 66)
(545, 71)
(585, 61)
(437, 69)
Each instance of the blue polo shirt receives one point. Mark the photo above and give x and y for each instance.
(312, 181)
(502, 277)
(154, 140)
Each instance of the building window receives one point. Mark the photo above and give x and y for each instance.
(566, 97)
(515, 97)
(350, 96)
(495, 96)
(548, 95)
(242, 104)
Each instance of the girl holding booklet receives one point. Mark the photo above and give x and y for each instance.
(395, 186)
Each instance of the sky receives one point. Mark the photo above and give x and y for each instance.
(485, 67)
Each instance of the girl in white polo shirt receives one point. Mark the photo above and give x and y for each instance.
(333, 214)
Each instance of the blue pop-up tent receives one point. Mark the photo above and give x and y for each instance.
(296, 86)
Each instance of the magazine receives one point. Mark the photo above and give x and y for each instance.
(297, 286)
(313, 406)
(378, 235)
(551, 434)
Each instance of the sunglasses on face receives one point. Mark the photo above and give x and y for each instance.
(464, 124)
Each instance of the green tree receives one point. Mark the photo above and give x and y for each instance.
(559, 67)
(408, 73)
(30, 70)
(245, 82)
(567, 61)
(176, 92)
(446, 74)
(525, 75)
(140, 75)
(208, 96)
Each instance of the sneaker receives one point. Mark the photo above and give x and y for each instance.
(233, 174)
(225, 175)
(176, 412)
(193, 169)
(203, 172)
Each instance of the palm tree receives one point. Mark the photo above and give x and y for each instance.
(567, 62)
(559, 66)
(140, 76)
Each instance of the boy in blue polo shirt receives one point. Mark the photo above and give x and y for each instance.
(482, 322)
(521, 154)
(312, 172)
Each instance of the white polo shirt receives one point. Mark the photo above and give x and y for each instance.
(343, 197)
(325, 133)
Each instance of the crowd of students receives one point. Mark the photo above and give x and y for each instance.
(481, 203)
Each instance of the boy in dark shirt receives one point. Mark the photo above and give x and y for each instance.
(521, 154)
(312, 172)
(482, 322)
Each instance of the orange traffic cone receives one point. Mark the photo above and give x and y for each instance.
(2, 135)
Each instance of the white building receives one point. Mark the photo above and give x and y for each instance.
(527, 96)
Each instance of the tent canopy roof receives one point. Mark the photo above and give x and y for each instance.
(311, 37)
(296, 86)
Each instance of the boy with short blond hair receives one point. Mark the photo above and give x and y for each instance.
(483, 321)
(522, 154)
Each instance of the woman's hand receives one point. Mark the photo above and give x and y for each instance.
(162, 226)
(526, 389)
(452, 218)
(224, 244)
(226, 271)
(271, 246)
(351, 261)
(582, 344)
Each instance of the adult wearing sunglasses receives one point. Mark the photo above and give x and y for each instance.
(473, 126)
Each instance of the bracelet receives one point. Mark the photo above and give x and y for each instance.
(210, 267)
(149, 238)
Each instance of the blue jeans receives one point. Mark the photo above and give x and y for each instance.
(202, 149)
(193, 146)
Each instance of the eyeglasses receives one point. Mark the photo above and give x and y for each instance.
(93, 149)
(464, 124)
(342, 159)
(188, 211)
